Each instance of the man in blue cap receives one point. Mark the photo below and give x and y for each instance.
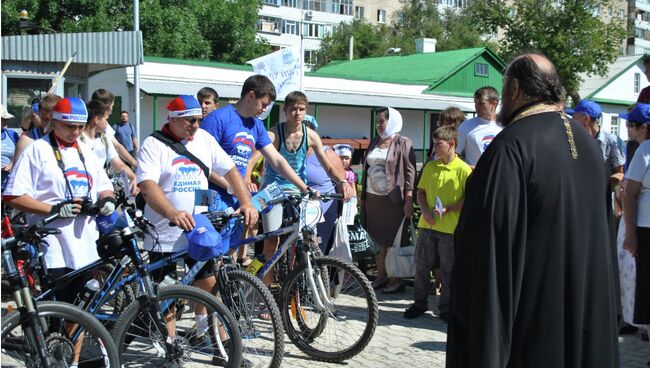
(587, 113)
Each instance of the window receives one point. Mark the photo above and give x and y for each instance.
(310, 57)
(614, 126)
(315, 30)
(637, 82)
(291, 3)
(21, 92)
(381, 16)
(358, 12)
(481, 70)
(268, 24)
(272, 2)
(290, 27)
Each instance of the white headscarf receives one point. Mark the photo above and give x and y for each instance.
(394, 124)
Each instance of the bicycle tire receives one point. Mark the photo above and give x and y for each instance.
(353, 308)
(58, 345)
(262, 338)
(135, 322)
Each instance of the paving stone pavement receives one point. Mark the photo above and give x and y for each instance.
(421, 342)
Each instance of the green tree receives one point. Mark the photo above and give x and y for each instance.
(223, 30)
(369, 41)
(570, 33)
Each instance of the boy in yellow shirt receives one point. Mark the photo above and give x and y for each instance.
(441, 191)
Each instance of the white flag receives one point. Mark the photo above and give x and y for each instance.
(283, 69)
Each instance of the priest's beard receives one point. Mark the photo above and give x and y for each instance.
(507, 107)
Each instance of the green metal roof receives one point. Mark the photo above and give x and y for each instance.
(213, 64)
(427, 69)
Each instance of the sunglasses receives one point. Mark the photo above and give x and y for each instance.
(193, 120)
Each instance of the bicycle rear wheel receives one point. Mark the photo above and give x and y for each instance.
(260, 322)
(211, 340)
(94, 347)
(345, 325)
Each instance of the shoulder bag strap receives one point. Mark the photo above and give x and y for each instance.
(181, 150)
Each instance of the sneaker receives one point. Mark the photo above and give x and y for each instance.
(200, 341)
(414, 311)
(395, 288)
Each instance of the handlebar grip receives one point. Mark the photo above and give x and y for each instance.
(333, 195)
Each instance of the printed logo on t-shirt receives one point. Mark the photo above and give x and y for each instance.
(243, 146)
(486, 140)
(187, 177)
(78, 180)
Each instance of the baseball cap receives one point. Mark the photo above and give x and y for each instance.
(184, 105)
(5, 114)
(71, 110)
(344, 150)
(587, 107)
(311, 121)
(204, 240)
(640, 114)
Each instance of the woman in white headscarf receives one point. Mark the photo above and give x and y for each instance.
(387, 189)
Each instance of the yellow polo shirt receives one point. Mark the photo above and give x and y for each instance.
(448, 183)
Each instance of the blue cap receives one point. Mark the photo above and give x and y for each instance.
(115, 221)
(639, 114)
(312, 120)
(587, 107)
(204, 240)
(35, 107)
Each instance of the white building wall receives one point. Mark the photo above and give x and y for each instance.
(342, 121)
(113, 80)
(622, 88)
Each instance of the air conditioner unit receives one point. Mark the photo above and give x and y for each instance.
(309, 14)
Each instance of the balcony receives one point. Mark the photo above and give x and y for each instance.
(642, 24)
(643, 5)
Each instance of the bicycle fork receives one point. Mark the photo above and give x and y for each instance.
(319, 291)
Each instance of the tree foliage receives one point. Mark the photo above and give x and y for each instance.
(223, 30)
(569, 33)
(416, 19)
(369, 41)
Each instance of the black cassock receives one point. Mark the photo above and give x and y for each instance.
(532, 283)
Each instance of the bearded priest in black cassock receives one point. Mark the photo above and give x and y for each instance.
(532, 282)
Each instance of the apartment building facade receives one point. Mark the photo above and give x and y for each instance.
(638, 42)
(284, 22)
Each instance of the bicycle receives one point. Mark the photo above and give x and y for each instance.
(248, 299)
(318, 295)
(140, 330)
(47, 334)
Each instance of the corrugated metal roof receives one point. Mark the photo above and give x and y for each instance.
(109, 48)
(429, 102)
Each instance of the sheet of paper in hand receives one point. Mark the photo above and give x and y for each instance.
(439, 206)
(349, 211)
(262, 198)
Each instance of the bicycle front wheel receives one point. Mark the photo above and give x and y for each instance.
(260, 322)
(343, 324)
(71, 337)
(199, 331)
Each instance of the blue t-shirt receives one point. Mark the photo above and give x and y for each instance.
(237, 135)
(124, 134)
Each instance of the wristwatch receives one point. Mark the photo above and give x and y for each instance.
(229, 190)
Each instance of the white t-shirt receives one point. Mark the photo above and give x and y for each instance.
(639, 170)
(38, 175)
(474, 136)
(178, 177)
(102, 147)
(376, 160)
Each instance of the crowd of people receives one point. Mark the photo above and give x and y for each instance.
(519, 209)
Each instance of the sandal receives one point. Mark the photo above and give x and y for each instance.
(245, 262)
